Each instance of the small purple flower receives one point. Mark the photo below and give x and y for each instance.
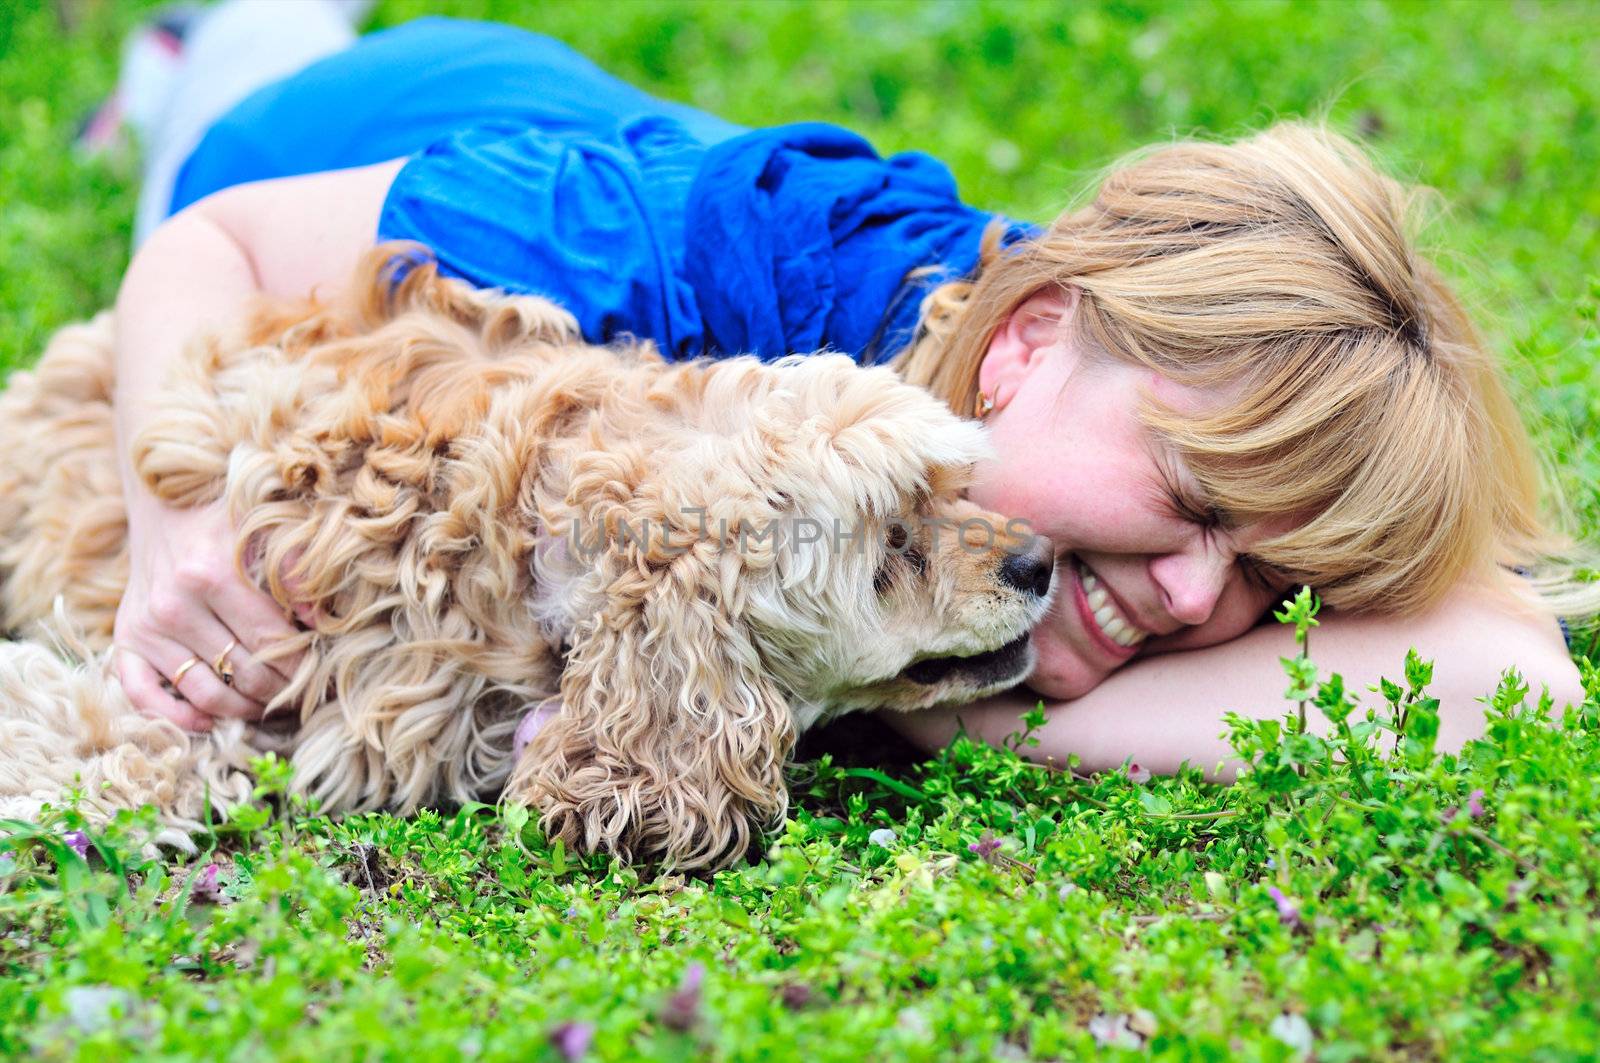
(78, 842)
(571, 1039)
(1288, 910)
(986, 846)
(1138, 774)
(207, 888)
(1474, 809)
(682, 1009)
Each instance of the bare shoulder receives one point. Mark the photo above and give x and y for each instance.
(1472, 637)
(304, 233)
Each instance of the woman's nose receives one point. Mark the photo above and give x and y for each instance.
(1190, 586)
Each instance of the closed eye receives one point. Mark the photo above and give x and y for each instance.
(1210, 518)
(1260, 576)
(1187, 508)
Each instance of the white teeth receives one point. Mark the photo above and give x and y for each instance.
(1111, 623)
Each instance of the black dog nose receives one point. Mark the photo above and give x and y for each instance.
(1029, 569)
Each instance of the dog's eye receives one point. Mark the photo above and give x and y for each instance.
(882, 578)
(901, 555)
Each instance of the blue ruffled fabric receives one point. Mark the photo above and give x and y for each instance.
(801, 237)
(530, 169)
(594, 223)
(795, 238)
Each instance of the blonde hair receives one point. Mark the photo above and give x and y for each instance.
(1279, 270)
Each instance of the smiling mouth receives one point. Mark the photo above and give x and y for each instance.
(1102, 613)
(1009, 662)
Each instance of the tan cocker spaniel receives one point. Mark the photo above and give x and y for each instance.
(685, 564)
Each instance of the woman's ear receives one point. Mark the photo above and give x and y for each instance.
(1038, 323)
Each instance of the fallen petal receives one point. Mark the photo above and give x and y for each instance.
(1112, 1030)
(1294, 1031)
(572, 1039)
(91, 1007)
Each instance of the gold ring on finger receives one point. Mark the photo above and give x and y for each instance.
(183, 670)
(222, 666)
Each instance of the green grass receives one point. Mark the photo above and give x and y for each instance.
(1408, 926)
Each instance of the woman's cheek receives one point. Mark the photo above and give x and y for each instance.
(1242, 609)
(1060, 673)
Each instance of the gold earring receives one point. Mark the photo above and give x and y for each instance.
(981, 408)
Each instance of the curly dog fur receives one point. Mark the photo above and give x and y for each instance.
(453, 486)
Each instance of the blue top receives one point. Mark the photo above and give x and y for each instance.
(532, 170)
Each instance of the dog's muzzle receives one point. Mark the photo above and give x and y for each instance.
(979, 670)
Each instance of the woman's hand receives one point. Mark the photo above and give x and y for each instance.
(186, 599)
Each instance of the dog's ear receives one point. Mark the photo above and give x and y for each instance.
(670, 742)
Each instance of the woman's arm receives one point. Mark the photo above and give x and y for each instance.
(185, 597)
(1162, 711)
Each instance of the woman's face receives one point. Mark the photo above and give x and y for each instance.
(1139, 571)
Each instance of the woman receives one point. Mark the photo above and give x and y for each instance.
(1228, 375)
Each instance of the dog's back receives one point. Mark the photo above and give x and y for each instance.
(354, 445)
(63, 527)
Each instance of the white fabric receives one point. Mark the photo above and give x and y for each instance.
(232, 50)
